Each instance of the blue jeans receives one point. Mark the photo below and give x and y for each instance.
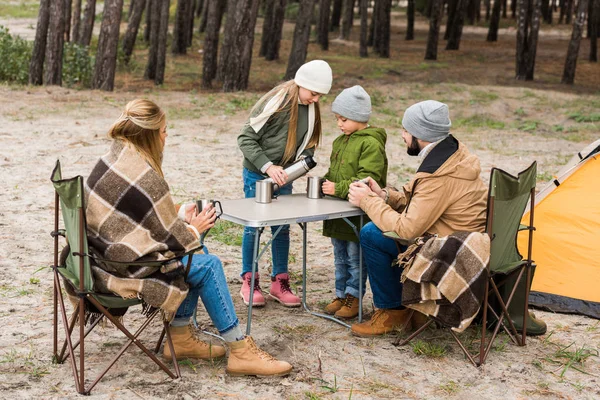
(280, 247)
(379, 252)
(347, 268)
(207, 280)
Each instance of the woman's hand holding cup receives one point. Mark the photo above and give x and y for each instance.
(205, 219)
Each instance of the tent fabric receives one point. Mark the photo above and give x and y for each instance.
(565, 242)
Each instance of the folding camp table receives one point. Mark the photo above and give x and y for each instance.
(284, 210)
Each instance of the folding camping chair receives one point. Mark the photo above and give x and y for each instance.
(507, 199)
(74, 266)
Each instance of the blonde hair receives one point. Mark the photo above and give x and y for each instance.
(290, 104)
(140, 125)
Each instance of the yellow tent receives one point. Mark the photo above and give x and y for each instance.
(566, 246)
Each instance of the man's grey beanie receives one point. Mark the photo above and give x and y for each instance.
(353, 103)
(428, 120)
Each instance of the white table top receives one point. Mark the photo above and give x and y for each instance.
(288, 209)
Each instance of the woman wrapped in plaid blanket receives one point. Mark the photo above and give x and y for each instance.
(131, 217)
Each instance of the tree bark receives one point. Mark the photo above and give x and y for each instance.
(190, 24)
(301, 36)
(152, 19)
(347, 19)
(336, 15)
(181, 27)
(108, 43)
(67, 20)
(457, 25)
(434, 30)
(569, 11)
(323, 27)
(528, 25)
(214, 16)
(488, 9)
(371, 38)
(150, 7)
(573, 51)
(36, 65)
(236, 52)
(161, 51)
(87, 26)
(492, 35)
(135, 18)
(381, 43)
(364, 27)
(204, 14)
(54, 43)
(273, 45)
(410, 20)
(595, 17)
(452, 6)
(267, 26)
(76, 24)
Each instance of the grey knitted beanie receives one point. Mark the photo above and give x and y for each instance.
(353, 103)
(428, 120)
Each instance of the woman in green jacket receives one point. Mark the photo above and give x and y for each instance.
(356, 154)
(285, 125)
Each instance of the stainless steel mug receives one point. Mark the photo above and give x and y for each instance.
(200, 204)
(314, 187)
(264, 191)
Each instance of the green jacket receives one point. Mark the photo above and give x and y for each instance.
(268, 144)
(354, 157)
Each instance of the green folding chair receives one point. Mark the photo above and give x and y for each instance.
(73, 265)
(507, 198)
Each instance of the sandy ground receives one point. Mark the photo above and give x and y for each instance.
(40, 125)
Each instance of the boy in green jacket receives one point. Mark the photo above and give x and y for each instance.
(356, 154)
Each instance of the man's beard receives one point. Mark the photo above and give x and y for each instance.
(413, 148)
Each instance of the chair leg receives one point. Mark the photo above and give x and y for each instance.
(469, 356)
(160, 338)
(413, 335)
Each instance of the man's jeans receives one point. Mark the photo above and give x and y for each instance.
(347, 268)
(379, 252)
(280, 247)
(207, 280)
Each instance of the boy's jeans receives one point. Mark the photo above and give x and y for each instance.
(347, 268)
(280, 247)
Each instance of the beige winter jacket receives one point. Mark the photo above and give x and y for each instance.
(446, 195)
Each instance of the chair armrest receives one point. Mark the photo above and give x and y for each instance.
(526, 228)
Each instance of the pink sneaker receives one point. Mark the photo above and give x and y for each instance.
(258, 299)
(280, 291)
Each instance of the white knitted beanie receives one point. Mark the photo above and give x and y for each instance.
(315, 76)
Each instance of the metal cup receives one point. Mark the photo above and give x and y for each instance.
(264, 192)
(314, 187)
(200, 204)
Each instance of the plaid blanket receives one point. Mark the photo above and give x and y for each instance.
(444, 277)
(131, 218)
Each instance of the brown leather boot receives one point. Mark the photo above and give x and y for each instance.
(245, 358)
(187, 345)
(334, 306)
(349, 308)
(384, 321)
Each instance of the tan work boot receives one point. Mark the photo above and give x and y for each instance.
(245, 358)
(334, 306)
(384, 321)
(349, 308)
(187, 345)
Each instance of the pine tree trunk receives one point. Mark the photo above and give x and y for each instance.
(336, 15)
(236, 52)
(595, 17)
(153, 11)
(272, 50)
(381, 45)
(347, 19)
(410, 20)
(457, 26)
(150, 7)
(36, 65)
(452, 6)
(494, 22)
(434, 30)
(204, 14)
(54, 43)
(364, 27)
(528, 24)
(504, 8)
(267, 26)
(323, 27)
(533, 37)
(76, 24)
(200, 4)
(67, 20)
(513, 9)
(214, 16)
(569, 11)
(161, 51)
(135, 18)
(180, 27)
(87, 25)
(573, 51)
(108, 43)
(301, 36)
(371, 39)
(190, 24)
(488, 10)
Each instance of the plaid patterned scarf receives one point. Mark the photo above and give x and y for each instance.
(444, 277)
(131, 218)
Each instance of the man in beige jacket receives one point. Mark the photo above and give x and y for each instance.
(446, 195)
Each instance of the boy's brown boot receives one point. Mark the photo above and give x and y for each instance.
(349, 308)
(245, 358)
(384, 321)
(187, 345)
(334, 306)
